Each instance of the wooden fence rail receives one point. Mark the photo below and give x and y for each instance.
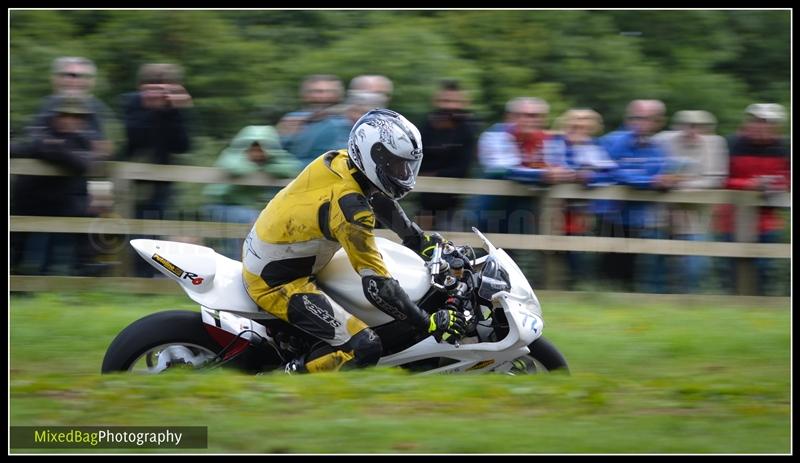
(132, 227)
(126, 285)
(548, 201)
(195, 174)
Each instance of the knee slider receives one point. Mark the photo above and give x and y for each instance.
(366, 347)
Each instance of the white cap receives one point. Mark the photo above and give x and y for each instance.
(772, 112)
(694, 117)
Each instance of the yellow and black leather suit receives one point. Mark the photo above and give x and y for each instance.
(328, 206)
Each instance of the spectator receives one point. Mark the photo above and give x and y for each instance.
(700, 160)
(63, 141)
(513, 150)
(372, 83)
(449, 141)
(156, 130)
(759, 160)
(574, 149)
(318, 92)
(517, 142)
(328, 127)
(331, 128)
(253, 149)
(75, 76)
(155, 124)
(357, 104)
(641, 163)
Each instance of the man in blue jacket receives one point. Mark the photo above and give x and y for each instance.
(641, 164)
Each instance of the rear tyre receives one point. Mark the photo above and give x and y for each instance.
(174, 327)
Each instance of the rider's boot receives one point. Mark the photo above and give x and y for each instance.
(295, 366)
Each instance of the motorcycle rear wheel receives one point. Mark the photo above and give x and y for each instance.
(153, 335)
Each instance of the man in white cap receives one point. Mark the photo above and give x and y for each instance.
(759, 160)
(698, 159)
(759, 153)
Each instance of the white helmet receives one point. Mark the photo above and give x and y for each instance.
(387, 148)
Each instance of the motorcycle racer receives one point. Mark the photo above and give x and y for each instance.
(335, 202)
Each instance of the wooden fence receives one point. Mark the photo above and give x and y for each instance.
(549, 201)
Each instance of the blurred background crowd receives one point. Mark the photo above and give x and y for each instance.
(649, 100)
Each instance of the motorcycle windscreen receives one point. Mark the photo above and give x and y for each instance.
(520, 286)
(493, 279)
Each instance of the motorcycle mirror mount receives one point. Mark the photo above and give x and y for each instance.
(486, 243)
(435, 265)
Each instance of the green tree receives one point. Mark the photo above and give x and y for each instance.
(415, 58)
(223, 72)
(37, 38)
(244, 67)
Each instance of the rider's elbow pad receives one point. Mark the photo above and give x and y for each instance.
(387, 295)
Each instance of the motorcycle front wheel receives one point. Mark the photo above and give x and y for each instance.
(543, 357)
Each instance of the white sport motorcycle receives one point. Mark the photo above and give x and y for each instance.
(504, 318)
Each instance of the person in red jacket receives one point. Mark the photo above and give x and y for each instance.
(759, 160)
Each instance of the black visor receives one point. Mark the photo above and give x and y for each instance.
(399, 169)
(397, 175)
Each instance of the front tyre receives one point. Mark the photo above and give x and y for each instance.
(160, 341)
(543, 356)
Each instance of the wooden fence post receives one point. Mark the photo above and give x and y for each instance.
(746, 232)
(124, 207)
(551, 222)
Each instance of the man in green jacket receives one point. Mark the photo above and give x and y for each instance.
(255, 148)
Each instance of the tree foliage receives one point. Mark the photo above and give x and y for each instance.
(244, 67)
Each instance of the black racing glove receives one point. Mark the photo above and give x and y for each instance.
(447, 325)
(426, 244)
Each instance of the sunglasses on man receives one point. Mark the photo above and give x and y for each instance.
(533, 115)
(75, 75)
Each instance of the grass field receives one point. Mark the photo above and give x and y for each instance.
(646, 378)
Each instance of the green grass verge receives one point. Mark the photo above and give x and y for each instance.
(646, 378)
